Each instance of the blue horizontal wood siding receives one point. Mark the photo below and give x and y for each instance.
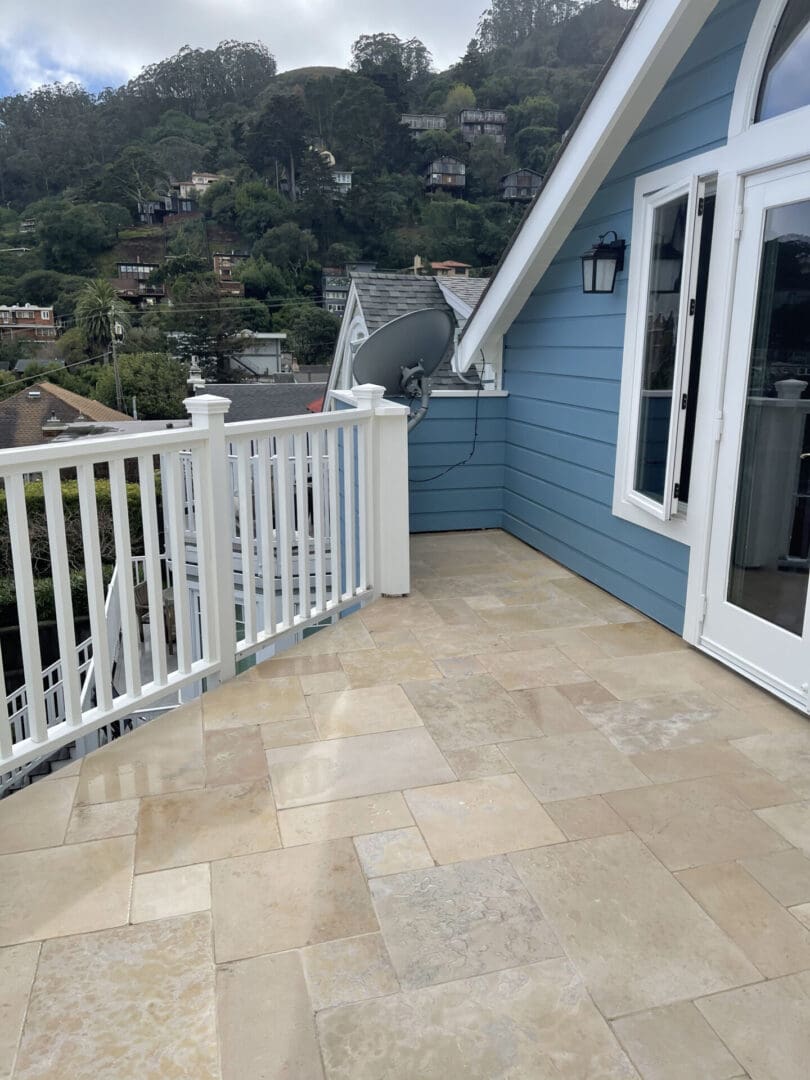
(469, 496)
(563, 355)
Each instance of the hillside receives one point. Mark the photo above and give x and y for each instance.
(74, 167)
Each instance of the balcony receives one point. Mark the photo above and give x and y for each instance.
(503, 827)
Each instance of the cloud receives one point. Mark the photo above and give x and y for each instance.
(105, 42)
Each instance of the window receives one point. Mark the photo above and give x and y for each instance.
(786, 80)
(668, 314)
(45, 313)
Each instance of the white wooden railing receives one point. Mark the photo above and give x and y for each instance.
(310, 519)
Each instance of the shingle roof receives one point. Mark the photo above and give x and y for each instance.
(383, 297)
(467, 289)
(22, 416)
(263, 401)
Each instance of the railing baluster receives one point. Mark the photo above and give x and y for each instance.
(126, 587)
(363, 498)
(333, 477)
(348, 505)
(173, 516)
(153, 576)
(284, 528)
(264, 490)
(26, 606)
(95, 585)
(62, 594)
(6, 738)
(317, 519)
(246, 531)
(302, 514)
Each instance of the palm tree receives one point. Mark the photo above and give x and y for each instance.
(97, 310)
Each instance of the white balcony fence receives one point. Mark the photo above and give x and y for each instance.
(240, 536)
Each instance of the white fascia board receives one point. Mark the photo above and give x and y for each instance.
(341, 345)
(454, 301)
(662, 32)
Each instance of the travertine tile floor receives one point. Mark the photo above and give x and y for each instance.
(504, 828)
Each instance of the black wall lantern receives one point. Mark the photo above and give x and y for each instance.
(602, 263)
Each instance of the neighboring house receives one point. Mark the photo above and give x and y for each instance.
(335, 283)
(446, 174)
(419, 122)
(342, 179)
(521, 185)
(376, 299)
(27, 321)
(474, 123)
(225, 262)
(197, 185)
(133, 285)
(260, 401)
(447, 268)
(261, 355)
(656, 436)
(41, 411)
(27, 225)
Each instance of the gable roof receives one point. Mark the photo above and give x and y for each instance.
(383, 297)
(654, 41)
(22, 415)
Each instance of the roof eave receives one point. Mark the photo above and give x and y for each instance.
(654, 43)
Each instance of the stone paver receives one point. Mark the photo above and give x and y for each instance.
(620, 824)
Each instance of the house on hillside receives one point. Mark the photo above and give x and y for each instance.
(225, 262)
(41, 411)
(421, 122)
(335, 283)
(521, 185)
(197, 185)
(474, 123)
(651, 326)
(446, 268)
(446, 174)
(133, 285)
(342, 179)
(27, 321)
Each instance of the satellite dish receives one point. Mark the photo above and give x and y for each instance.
(403, 354)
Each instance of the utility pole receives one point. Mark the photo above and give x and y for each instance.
(116, 334)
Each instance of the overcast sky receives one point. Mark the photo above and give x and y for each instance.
(104, 42)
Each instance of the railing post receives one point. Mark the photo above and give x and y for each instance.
(216, 572)
(388, 484)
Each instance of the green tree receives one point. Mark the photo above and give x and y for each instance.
(263, 280)
(156, 380)
(486, 164)
(204, 324)
(460, 97)
(311, 331)
(287, 246)
(278, 136)
(70, 237)
(98, 309)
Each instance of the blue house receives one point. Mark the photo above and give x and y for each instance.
(650, 324)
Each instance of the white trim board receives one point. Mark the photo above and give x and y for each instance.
(658, 39)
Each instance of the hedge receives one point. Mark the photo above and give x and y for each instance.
(38, 527)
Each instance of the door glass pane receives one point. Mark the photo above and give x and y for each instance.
(769, 558)
(660, 346)
(786, 81)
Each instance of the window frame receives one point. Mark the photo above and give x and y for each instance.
(647, 203)
(752, 70)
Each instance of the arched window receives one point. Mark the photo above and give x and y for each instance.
(785, 82)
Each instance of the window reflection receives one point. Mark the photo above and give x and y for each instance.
(786, 81)
(771, 549)
(660, 347)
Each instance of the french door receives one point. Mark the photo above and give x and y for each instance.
(757, 597)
